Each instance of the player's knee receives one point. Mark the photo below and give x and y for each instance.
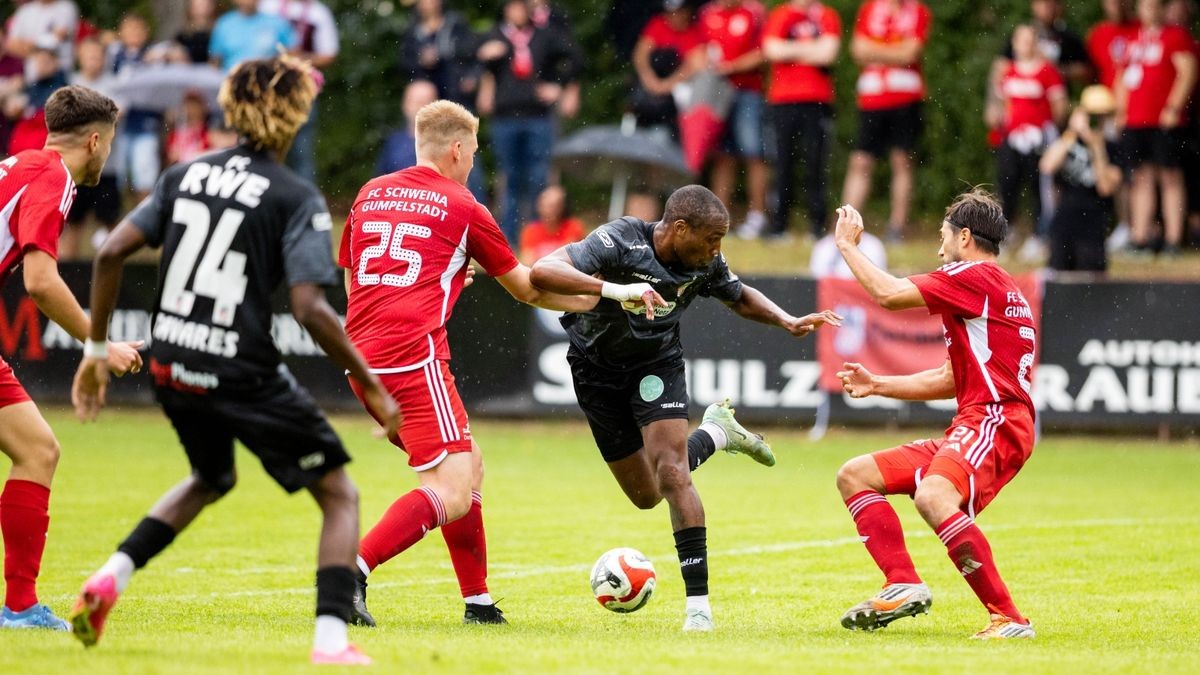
(456, 502)
(673, 476)
(46, 454)
(936, 498)
(851, 479)
(645, 500)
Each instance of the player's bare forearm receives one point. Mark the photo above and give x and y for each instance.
(756, 306)
(106, 275)
(312, 310)
(889, 291)
(927, 385)
(555, 274)
(51, 295)
(519, 284)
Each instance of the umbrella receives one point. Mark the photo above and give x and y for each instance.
(703, 104)
(162, 87)
(618, 153)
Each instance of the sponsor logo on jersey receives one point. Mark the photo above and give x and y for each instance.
(605, 239)
(647, 277)
(651, 387)
(322, 222)
(637, 308)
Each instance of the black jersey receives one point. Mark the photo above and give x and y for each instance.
(619, 336)
(232, 224)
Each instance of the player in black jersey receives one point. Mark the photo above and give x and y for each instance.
(233, 225)
(627, 361)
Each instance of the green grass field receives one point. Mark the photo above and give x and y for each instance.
(1097, 539)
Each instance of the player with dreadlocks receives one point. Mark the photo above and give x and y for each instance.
(233, 224)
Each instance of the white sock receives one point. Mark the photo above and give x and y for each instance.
(120, 566)
(362, 565)
(330, 636)
(717, 433)
(482, 599)
(699, 602)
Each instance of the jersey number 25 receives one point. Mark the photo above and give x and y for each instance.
(391, 242)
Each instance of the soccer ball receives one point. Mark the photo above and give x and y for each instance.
(623, 580)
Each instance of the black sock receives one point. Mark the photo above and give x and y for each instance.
(701, 446)
(147, 540)
(335, 592)
(692, 546)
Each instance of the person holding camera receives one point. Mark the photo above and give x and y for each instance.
(1087, 180)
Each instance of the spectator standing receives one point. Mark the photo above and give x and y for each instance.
(734, 32)
(1152, 91)
(555, 227)
(669, 51)
(12, 86)
(1108, 41)
(801, 42)
(46, 76)
(51, 24)
(245, 33)
(103, 200)
(889, 36)
(1059, 44)
(138, 147)
(624, 23)
(1180, 13)
(1033, 101)
(188, 138)
(400, 147)
(527, 70)
(1080, 163)
(826, 261)
(199, 17)
(439, 46)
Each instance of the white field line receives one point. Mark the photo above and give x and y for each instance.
(522, 571)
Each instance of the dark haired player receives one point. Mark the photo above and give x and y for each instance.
(992, 343)
(627, 361)
(36, 191)
(233, 225)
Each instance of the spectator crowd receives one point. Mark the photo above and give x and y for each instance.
(1094, 137)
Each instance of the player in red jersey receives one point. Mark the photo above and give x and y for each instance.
(991, 340)
(36, 190)
(405, 249)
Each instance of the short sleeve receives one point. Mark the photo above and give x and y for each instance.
(924, 24)
(722, 283)
(150, 216)
(777, 26)
(654, 31)
(287, 35)
(1177, 41)
(860, 20)
(486, 244)
(1052, 82)
(949, 290)
(344, 257)
(307, 246)
(831, 23)
(325, 35)
(599, 252)
(43, 209)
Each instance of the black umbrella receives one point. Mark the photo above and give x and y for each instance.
(617, 154)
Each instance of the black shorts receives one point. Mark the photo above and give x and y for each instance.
(279, 422)
(619, 404)
(1160, 147)
(104, 200)
(882, 130)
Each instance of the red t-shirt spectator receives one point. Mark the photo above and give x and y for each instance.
(537, 240)
(661, 35)
(29, 133)
(1151, 72)
(880, 86)
(1108, 47)
(734, 32)
(793, 82)
(1027, 95)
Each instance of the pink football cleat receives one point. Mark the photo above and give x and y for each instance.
(87, 617)
(350, 656)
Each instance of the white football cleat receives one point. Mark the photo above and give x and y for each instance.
(1002, 627)
(895, 601)
(698, 621)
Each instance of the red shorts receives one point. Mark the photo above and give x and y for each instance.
(983, 449)
(434, 423)
(11, 391)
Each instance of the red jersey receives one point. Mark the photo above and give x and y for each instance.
(36, 191)
(661, 35)
(990, 331)
(407, 242)
(793, 82)
(1027, 95)
(1108, 47)
(537, 241)
(1150, 72)
(733, 32)
(881, 86)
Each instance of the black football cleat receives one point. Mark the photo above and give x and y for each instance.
(479, 614)
(359, 616)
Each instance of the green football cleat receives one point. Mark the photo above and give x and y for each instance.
(740, 441)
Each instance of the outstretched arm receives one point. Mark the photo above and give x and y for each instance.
(518, 283)
(555, 273)
(927, 385)
(756, 306)
(889, 291)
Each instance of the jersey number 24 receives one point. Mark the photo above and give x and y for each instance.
(221, 274)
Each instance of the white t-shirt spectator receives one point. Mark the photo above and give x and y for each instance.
(47, 24)
(827, 261)
(316, 30)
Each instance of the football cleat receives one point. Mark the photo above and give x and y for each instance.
(1002, 627)
(698, 621)
(739, 440)
(359, 616)
(895, 601)
(350, 656)
(37, 616)
(480, 614)
(97, 598)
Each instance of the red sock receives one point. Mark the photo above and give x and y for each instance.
(880, 530)
(404, 524)
(468, 549)
(24, 521)
(971, 554)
